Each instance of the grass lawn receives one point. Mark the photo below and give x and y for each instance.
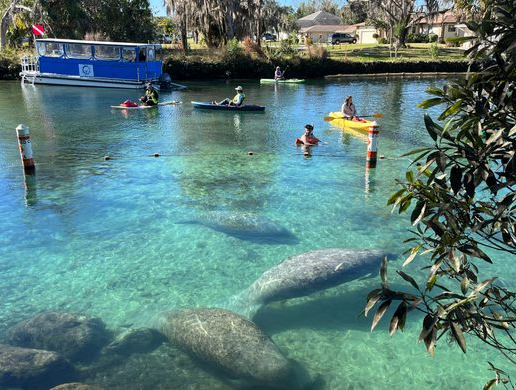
(343, 52)
(375, 52)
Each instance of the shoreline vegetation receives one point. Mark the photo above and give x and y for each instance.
(305, 62)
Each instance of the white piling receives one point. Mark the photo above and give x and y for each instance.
(25, 147)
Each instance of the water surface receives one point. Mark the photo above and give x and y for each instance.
(108, 238)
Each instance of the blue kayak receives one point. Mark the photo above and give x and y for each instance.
(223, 107)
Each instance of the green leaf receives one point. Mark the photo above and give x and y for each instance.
(430, 103)
(379, 313)
(464, 285)
(456, 178)
(398, 318)
(453, 109)
(413, 253)
(458, 335)
(409, 175)
(489, 385)
(394, 197)
(418, 213)
(383, 272)
(409, 279)
(372, 298)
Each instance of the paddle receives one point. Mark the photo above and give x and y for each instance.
(340, 115)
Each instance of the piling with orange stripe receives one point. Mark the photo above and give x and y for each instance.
(372, 145)
(25, 147)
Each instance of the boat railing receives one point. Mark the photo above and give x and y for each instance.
(29, 64)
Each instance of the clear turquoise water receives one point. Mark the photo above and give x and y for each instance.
(105, 238)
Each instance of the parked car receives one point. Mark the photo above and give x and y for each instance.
(338, 38)
(165, 38)
(269, 37)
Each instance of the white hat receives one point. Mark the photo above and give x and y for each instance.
(239, 88)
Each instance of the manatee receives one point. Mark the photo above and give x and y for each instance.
(246, 226)
(234, 345)
(304, 274)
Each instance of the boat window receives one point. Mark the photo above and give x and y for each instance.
(50, 49)
(129, 54)
(157, 52)
(107, 52)
(142, 54)
(77, 50)
(150, 54)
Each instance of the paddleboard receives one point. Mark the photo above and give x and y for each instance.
(285, 81)
(141, 106)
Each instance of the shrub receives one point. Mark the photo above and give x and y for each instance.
(252, 49)
(417, 38)
(434, 50)
(432, 38)
(383, 41)
(454, 41)
(233, 50)
(317, 52)
(376, 36)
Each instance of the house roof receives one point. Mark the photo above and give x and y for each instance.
(319, 18)
(328, 29)
(447, 17)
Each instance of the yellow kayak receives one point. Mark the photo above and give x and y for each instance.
(337, 119)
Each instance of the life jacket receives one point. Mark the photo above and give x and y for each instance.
(153, 94)
(236, 98)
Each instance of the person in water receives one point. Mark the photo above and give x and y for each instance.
(237, 100)
(308, 138)
(278, 74)
(349, 110)
(151, 96)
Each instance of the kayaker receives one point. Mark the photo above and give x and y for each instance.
(278, 74)
(308, 138)
(237, 100)
(348, 109)
(151, 96)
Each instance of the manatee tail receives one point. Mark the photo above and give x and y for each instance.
(243, 304)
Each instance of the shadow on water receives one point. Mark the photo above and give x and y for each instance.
(322, 311)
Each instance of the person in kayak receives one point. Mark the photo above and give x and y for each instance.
(237, 100)
(278, 74)
(151, 96)
(308, 138)
(348, 109)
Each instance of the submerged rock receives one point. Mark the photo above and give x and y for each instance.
(76, 337)
(234, 345)
(32, 368)
(305, 274)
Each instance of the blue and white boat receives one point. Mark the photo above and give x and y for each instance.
(93, 63)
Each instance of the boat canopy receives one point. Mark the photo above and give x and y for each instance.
(98, 50)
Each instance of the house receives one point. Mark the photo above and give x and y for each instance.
(322, 18)
(444, 25)
(321, 25)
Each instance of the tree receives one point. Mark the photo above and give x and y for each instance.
(401, 15)
(463, 195)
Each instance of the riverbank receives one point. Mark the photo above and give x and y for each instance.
(302, 68)
(244, 67)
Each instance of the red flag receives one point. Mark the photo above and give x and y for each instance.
(38, 29)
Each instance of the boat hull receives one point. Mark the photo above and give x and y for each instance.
(143, 107)
(56, 79)
(286, 81)
(342, 123)
(221, 107)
